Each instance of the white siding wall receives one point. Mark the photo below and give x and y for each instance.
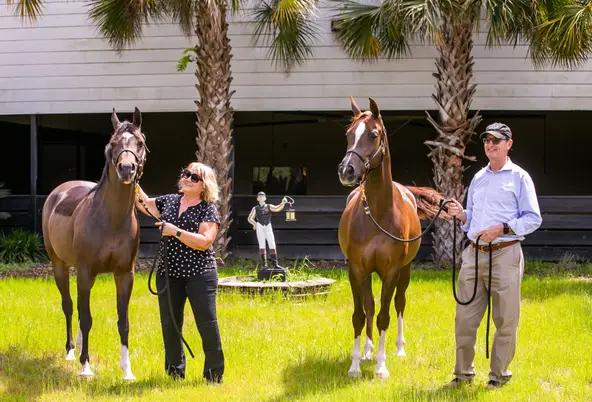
(61, 65)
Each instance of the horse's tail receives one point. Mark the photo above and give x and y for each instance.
(428, 203)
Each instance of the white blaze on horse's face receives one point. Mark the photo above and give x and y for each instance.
(352, 165)
(360, 130)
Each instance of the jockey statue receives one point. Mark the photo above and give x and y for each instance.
(260, 218)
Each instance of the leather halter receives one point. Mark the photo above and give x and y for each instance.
(367, 162)
(139, 162)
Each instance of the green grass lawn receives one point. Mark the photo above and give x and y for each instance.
(279, 349)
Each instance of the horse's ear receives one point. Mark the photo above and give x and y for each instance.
(374, 108)
(115, 120)
(137, 118)
(355, 109)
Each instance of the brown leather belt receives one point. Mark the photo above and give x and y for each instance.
(495, 246)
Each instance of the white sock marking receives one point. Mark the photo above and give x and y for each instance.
(400, 336)
(381, 371)
(354, 370)
(368, 349)
(125, 364)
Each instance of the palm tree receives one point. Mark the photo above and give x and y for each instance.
(367, 32)
(281, 23)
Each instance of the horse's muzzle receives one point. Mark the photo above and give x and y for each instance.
(347, 174)
(126, 172)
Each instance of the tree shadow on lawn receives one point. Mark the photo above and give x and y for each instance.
(318, 377)
(26, 377)
(29, 377)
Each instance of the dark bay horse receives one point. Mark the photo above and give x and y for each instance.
(94, 228)
(396, 208)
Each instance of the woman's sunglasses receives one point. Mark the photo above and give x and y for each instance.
(194, 176)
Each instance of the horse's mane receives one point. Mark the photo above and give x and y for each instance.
(428, 202)
(125, 127)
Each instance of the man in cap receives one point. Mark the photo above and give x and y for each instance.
(260, 218)
(502, 208)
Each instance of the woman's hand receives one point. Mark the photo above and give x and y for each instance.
(169, 228)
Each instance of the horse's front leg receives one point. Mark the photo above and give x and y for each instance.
(383, 320)
(124, 283)
(369, 310)
(84, 282)
(356, 281)
(400, 302)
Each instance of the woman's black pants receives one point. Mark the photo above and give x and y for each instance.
(201, 292)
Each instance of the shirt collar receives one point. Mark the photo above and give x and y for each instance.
(509, 165)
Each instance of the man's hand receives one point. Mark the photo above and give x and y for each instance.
(491, 233)
(455, 208)
(169, 228)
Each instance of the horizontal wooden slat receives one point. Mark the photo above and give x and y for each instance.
(566, 204)
(559, 238)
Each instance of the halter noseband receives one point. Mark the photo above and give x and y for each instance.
(139, 162)
(367, 162)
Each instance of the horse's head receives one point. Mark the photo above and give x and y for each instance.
(127, 148)
(365, 144)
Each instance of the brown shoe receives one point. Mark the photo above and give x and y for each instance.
(457, 383)
(491, 384)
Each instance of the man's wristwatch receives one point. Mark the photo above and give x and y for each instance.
(178, 234)
(506, 228)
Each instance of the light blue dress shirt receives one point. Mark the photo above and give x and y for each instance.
(507, 195)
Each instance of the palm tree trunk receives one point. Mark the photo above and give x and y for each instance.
(214, 113)
(454, 93)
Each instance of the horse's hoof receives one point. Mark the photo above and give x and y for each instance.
(129, 377)
(86, 371)
(401, 352)
(382, 373)
(71, 355)
(354, 374)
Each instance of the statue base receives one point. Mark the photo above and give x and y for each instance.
(268, 273)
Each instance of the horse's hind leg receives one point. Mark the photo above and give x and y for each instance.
(358, 318)
(400, 307)
(124, 284)
(62, 279)
(383, 320)
(369, 310)
(84, 282)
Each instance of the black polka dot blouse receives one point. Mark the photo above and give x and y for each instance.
(184, 261)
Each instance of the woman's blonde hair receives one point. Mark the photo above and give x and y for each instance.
(210, 184)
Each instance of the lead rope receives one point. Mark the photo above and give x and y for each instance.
(476, 281)
(166, 270)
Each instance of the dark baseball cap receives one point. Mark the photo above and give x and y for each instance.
(498, 130)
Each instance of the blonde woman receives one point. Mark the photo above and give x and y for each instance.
(191, 221)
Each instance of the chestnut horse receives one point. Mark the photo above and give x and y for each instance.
(94, 228)
(398, 210)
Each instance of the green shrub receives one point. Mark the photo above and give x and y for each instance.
(21, 246)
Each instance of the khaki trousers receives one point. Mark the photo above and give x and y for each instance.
(507, 271)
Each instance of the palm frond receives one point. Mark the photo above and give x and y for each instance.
(367, 31)
(510, 21)
(120, 21)
(286, 27)
(564, 37)
(27, 9)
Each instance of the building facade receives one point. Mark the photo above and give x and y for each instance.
(59, 81)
